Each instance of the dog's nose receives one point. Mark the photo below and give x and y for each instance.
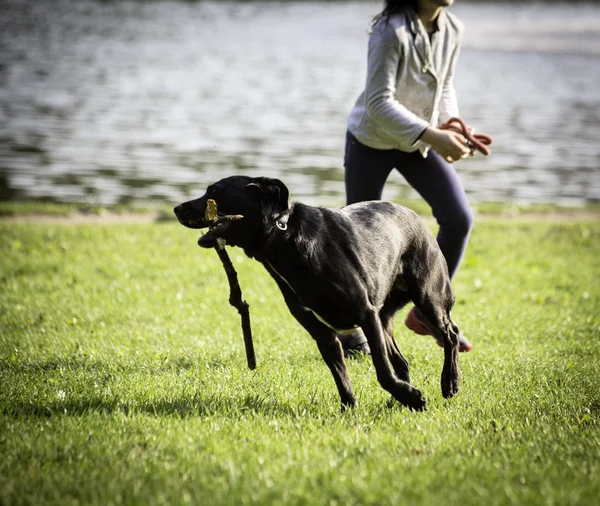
(178, 209)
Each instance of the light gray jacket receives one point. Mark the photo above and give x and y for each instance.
(409, 82)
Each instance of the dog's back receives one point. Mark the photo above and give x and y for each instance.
(392, 237)
(380, 222)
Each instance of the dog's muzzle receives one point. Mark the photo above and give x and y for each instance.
(189, 217)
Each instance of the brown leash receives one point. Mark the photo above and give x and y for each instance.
(480, 142)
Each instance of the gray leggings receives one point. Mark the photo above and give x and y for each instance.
(435, 179)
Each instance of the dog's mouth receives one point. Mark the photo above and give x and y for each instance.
(190, 218)
(218, 223)
(192, 223)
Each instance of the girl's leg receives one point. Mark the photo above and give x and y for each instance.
(437, 182)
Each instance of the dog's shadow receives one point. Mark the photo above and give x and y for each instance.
(192, 403)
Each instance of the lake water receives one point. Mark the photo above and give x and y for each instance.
(149, 101)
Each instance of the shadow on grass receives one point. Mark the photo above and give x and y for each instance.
(69, 371)
(196, 406)
(83, 363)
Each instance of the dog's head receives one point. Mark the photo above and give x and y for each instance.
(263, 202)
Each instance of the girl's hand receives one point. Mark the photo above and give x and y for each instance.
(450, 145)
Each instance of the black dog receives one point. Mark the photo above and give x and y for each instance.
(341, 269)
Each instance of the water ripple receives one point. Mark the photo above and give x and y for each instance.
(124, 101)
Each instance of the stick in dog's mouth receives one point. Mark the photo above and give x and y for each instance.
(217, 225)
(213, 220)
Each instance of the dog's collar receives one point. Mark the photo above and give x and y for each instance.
(281, 222)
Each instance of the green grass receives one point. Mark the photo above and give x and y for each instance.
(123, 379)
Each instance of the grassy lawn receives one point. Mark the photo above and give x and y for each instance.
(123, 379)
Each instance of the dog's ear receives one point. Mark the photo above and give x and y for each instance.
(275, 193)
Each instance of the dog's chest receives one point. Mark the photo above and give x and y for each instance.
(334, 319)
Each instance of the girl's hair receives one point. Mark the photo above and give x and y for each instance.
(392, 7)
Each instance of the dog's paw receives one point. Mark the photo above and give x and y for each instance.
(417, 401)
(347, 404)
(412, 399)
(450, 385)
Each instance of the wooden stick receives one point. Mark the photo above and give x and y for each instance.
(235, 292)
(235, 299)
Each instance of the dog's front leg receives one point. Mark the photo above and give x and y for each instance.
(402, 391)
(328, 343)
(333, 354)
(331, 351)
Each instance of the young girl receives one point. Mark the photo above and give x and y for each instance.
(413, 48)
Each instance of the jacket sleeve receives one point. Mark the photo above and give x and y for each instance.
(381, 105)
(449, 102)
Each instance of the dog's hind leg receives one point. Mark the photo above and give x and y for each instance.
(401, 390)
(441, 321)
(450, 381)
(435, 307)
